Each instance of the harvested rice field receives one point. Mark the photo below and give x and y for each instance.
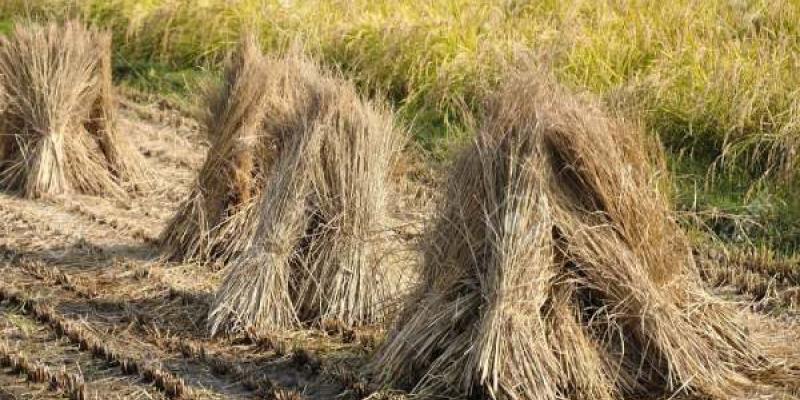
(84, 296)
(310, 220)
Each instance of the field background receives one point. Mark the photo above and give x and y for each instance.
(716, 81)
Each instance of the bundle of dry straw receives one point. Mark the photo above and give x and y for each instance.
(294, 195)
(215, 222)
(556, 271)
(57, 128)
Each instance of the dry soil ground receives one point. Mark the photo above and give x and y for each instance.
(85, 299)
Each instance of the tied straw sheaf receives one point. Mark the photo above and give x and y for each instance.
(217, 219)
(555, 270)
(58, 129)
(294, 197)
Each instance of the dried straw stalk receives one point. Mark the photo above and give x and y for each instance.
(322, 249)
(556, 271)
(57, 126)
(294, 196)
(213, 223)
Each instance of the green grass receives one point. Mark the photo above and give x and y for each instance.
(733, 208)
(158, 78)
(715, 80)
(5, 26)
(178, 85)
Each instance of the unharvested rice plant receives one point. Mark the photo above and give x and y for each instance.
(556, 270)
(58, 131)
(193, 208)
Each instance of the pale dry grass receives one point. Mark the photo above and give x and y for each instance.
(771, 280)
(212, 222)
(57, 129)
(295, 196)
(556, 270)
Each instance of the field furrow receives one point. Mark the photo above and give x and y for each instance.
(65, 362)
(162, 321)
(45, 225)
(175, 377)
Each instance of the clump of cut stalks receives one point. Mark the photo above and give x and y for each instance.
(556, 271)
(215, 222)
(72, 385)
(173, 386)
(57, 126)
(294, 196)
(250, 378)
(766, 277)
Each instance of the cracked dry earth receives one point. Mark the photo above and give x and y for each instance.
(89, 312)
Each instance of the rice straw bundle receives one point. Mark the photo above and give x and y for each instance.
(58, 133)
(214, 221)
(555, 271)
(294, 196)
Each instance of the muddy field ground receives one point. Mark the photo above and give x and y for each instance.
(88, 310)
